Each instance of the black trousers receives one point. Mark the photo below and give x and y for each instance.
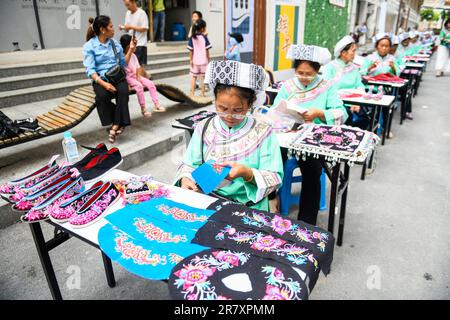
(110, 113)
(310, 195)
(141, 54)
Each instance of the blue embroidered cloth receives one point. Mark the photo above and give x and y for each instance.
(174, 213)
(145, 228)
(144, 259)
(209, 176)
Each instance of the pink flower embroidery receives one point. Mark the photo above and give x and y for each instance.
(227, 257)
(280, 225)
(267, 243)
(275, 293)
(194, 275)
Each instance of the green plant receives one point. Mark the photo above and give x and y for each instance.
(429, 15)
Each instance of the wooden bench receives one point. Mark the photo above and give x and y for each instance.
(79, 104)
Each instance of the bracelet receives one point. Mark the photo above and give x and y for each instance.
(96, 80)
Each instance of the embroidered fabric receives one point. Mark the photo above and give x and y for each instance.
(96, 209)
(335, 143)
(319, 241)
(309, 53)
(234, 73)
(135, 256)
(298, 95)
(21, 193)
(233, 237)
(11, 188)
(147, 229)
(234, 275)
(174, 213)
(150, 238)
(193, 120)
(62, 212)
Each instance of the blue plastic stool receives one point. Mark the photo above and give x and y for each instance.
(287, 199)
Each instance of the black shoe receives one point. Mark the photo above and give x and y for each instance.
(101, 164)
(98, 150)
(27, 125)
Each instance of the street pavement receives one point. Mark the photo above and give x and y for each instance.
(396, 242)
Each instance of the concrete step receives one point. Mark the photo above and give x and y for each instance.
(40, 67)
(61, 89)
(46, 78)
(144, 140)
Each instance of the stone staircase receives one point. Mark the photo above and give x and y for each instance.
(38, 81)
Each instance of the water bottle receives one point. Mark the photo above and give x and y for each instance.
(70, 148)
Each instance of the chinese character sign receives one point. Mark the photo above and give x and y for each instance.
(286, 22)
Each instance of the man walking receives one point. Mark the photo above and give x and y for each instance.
(136, 22)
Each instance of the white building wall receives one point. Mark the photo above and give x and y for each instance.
(216, 27)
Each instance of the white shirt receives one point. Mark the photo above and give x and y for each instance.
(138, 19)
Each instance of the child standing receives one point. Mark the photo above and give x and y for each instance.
(198, 46)
(233, 52)
(137, 79)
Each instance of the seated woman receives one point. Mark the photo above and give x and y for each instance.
(99, 57)
(310, 91)
(381, 61)
(232, 138)
(345, 74)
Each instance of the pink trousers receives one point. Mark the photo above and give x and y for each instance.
(139, 86)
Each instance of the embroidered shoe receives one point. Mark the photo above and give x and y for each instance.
(39, 212)
(100, 165)
(31, 200)
(29, 180)
(60, 213)
(98, 150)
(21, 193)
(96, 207)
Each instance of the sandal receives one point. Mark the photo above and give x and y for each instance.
(112, 135)
(146, 113)
(120, 130)
(158, 108)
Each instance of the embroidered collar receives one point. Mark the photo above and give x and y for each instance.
(233, 129)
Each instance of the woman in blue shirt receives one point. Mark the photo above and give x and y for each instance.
(99, 57)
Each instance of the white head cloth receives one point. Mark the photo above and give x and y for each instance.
(342, 44)
(309, 53)
(380, 36)
(238, 74)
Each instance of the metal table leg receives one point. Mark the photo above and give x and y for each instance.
(334, 196)
(340, 237)
(109, 271)
(44, 256)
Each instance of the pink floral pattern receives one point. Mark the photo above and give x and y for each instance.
(95, 210)
(38, 215)
(267, 244)
(194, 275)
(280, 225)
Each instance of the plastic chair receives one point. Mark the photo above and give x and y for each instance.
(287, 199)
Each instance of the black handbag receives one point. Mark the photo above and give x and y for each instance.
(7, 127)
(116, 74)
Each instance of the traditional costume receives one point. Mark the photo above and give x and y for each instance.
(250, 143)
(345, 75)
(383, 62)
(319, 94)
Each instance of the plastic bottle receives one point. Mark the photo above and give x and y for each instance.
(70, 148)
